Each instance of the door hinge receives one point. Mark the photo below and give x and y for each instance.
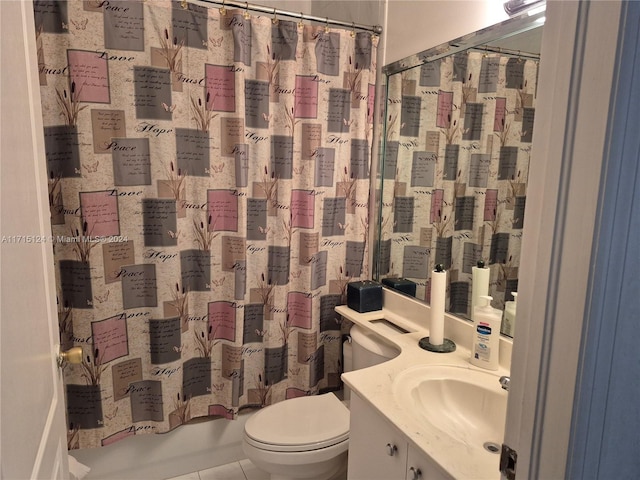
(508, 461)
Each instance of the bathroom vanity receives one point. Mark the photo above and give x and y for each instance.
(378, 450)
(424, 414)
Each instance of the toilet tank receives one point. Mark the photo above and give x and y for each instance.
(362, 351)
(367, 350)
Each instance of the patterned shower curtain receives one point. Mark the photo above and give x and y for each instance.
(458, 144)
(209, 184)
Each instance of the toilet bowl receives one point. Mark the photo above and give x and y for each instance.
(304, 437)
(308, 437)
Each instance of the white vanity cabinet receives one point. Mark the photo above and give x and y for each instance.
(378, 451)
(420, 467)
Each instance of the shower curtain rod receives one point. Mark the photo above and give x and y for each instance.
(377, 29)
(506, 51)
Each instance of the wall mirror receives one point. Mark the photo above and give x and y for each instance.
(454, 167)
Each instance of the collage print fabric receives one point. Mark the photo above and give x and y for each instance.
(457, 149)
(209, 183)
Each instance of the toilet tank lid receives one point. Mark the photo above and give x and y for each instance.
(318, 420)
(372, 343)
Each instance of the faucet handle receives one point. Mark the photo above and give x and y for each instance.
(504, 382)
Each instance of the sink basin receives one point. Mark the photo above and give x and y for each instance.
(465, 404)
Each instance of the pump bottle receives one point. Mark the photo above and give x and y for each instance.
(509, 319)
(485, 347)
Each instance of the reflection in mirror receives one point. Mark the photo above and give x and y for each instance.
(457, 144)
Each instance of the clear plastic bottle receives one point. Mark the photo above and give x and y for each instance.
(509, 318)
(485, 348)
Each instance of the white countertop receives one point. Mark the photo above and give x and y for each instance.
(374, 386)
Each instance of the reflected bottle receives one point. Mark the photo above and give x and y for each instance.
(509, 317)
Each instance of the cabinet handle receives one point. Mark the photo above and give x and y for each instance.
(416, 474)
(391, 449)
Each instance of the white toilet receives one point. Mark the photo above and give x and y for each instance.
(308, 437)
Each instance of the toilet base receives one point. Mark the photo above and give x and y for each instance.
(288, 467)
(341, 474)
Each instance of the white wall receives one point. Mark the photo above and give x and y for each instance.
(364, 12)
(416, 25)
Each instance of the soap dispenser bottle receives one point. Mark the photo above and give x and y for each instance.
(486, 335)
(509, 318)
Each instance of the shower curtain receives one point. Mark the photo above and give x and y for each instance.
(209, 184)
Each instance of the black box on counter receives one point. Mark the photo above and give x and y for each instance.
(364, 296)
(401, 284)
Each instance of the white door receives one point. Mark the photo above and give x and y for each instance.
(33, 434)
(577, 68)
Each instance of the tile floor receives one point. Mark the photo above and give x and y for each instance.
(242, 470)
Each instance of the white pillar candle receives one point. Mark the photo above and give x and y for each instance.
(479, 285)
(438, 296)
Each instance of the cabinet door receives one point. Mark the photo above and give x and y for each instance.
(377, 451)
(420, 467)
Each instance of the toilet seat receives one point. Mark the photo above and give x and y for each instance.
(299, 424)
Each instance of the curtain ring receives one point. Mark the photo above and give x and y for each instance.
(222, 10)
(300, 24)
(274, 20)
(326, 25)
(183, 4)
(246, 14)
(353, 30)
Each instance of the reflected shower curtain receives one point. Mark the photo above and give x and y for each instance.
(209, 183)
(461, 127)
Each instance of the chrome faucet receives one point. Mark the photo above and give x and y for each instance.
(504, 382)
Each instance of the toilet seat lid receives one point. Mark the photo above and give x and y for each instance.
(299, 424)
